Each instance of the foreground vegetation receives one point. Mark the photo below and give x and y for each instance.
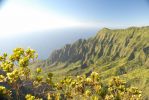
(18, 83)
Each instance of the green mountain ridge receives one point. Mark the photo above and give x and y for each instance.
(112, 52)
(131, 43)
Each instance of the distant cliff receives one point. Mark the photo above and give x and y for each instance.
(131, 43)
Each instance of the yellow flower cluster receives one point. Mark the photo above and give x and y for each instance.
(13, 76)
(82, 87)
(7, 66)
(117, 89)
(31, 97)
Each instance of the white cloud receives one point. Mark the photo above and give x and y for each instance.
(17, 19)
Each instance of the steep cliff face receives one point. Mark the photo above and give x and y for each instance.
(131, 43)
(70, 53)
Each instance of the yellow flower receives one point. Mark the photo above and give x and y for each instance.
(97, 87)
(88, 80)
(4, 91)
(88, 93)
(39, 78)
(1, 58)
(38, 70)
(95, 98)
(49, 97)
(94, 76)
(29, 97)
(2, 78)
(57, 96)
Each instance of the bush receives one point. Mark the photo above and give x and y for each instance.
(17, 83)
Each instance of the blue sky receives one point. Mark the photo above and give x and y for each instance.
(26, 16)
(109, 11)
